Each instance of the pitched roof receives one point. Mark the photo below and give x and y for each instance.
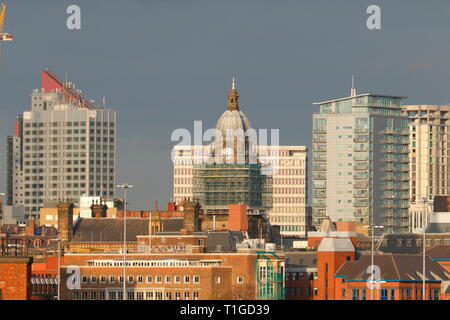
(336, 245)
(439, 252)
(301, 259)
(223, 241)
(173, 224)
(106, 229)
(400, 243)
(400, 267)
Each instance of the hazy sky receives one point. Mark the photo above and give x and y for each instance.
(164, 63)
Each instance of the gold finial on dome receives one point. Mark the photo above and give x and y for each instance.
(233, 97)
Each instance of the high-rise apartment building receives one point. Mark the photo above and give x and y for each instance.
(360, 162)
(275, 183)
(429, 151)
(429, 157)
(64, 147)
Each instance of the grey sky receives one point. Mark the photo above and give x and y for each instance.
(163, 64)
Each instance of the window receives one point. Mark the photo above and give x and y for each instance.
(83, 295)
(240, 279)
(168, 295)
(196, 279)
(187, 279)
(139, 296)
(177, 295)
(168, 279)
(158, 279)
(177, 279)
(84, 279)
(384, 294)
(112, 279)
(121, 279)
(195, 295)
(93, 295)
(140, 279)
(186, 295)
(102, 279)
(112, 295)
(217, 279)
(101, 295)
(149, 279)
(74, 295)
(355, 294)
(130, 296)
(93, 279)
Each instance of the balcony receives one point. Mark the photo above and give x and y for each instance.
(320, 148)
(319, 139)
(319, 167)
(387, 131)
(361, 166)
(361, 130)
(363, 148)
(361, 139)
(361, 176)
(360, 194)
(319, 158)
(361, 203)
(319, 175)
(361, 185)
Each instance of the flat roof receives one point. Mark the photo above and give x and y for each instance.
(358, 96)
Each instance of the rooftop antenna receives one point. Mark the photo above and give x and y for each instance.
(353, 90)
(233, 84)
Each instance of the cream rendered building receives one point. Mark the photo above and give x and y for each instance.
(429, 159)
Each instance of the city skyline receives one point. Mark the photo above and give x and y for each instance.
(181, 69)
(224, 150)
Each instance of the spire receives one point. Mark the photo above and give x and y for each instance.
(233, 97)
(353, 90)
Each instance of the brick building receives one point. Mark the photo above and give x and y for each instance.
(15, 274)
(176, 276)
(336, 271)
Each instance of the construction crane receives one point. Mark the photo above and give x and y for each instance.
(3, 35)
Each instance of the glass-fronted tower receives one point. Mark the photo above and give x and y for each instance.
(361, 162)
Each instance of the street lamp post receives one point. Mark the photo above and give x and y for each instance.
(372, 254)
(125, 186)
(59, 268)
(424, 225)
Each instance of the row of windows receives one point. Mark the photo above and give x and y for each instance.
(68, 124)
(152, 279)
(389, 294)
(70, 131)
(140, 295)
(69, 162)
(148, 279)
(289, 190)
(61, 140)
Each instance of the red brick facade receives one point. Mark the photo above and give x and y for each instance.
(15, 274)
